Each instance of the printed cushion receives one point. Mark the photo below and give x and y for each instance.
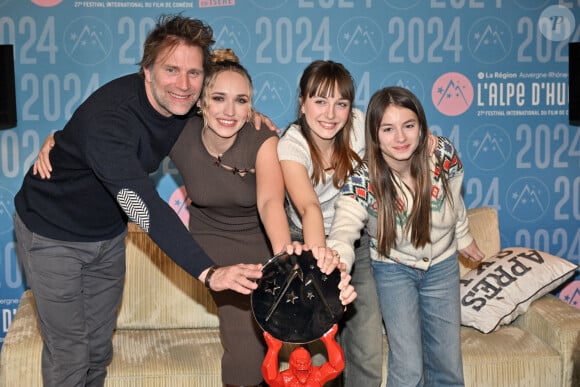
(503, 286)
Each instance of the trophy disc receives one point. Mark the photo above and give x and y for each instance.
(295, 302)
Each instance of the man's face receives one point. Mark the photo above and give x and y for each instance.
(174, 82)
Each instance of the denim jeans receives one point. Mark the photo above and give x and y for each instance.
(422, 317)
(361, 334)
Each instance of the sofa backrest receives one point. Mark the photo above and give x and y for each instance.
(484, 227)
(158, 293)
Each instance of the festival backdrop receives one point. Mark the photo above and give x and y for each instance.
(492, 75)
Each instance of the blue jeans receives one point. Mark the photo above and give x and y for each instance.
(361, 334)
(422, 317)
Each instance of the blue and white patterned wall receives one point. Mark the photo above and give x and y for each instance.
(492, 74)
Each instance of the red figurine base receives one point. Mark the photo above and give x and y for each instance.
(301, 372)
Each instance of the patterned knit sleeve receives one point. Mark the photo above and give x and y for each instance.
(358, 187)
(449, 159)
(453, 170)
(350, 216)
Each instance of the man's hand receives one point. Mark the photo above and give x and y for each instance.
(260, 119)
(240, 278)
(42, 164)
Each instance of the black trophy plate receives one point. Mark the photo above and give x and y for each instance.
(295, 302)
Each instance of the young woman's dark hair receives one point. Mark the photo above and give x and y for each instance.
(381, 175)
(329, 79)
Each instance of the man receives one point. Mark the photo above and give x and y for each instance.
(70, 229)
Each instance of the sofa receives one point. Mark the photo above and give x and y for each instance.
(167, 332)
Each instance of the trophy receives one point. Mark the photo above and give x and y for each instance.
(297, 303)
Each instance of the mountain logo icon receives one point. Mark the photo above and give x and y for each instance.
(452, 94)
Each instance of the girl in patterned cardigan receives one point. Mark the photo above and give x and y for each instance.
(412, 207)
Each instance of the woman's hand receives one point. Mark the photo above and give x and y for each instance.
(326, 259)
(42, 165)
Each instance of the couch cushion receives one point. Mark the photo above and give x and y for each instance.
(141, 358)
(22, 348)
(158, 293)
(508, 357)
(557, 324)
(166, 358)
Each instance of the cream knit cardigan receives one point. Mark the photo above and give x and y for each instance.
(356, 207)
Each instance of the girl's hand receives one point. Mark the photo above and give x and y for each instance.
(347, 291)
(472, 252)
(326, 259)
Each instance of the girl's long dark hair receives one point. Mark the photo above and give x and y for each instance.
(418, 224)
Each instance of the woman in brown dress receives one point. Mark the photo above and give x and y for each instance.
(233, 178)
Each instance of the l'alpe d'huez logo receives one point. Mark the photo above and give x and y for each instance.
(360, 40)
(407, 80)
(489, 147)
(490, 40)
(272, 94)
(452, 94)
(6, 210)
(527, 199)
(88, 40)
(231, 33)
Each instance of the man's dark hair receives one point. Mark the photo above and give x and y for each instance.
(171, 30)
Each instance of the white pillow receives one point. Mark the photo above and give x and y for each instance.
(502, 287)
